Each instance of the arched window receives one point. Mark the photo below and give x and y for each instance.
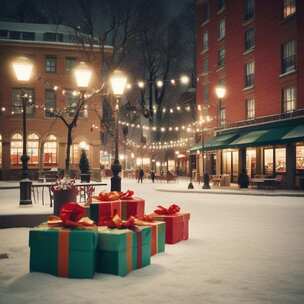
(0, 150)
(50, 151)
(33, 149)
(16, 149)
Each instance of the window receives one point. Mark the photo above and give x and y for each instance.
(268, 161)
(280, 160)
(249, 74)
(32, 149)
(289, 99)
(205, 41)
(251, 161)
(0, 150)
(14, 35)
(221, 29)
(250, 108)
(50, 64)
(28, 35)
(289, 8)
(53, 37)
(289, 56)
(205, 65)
(206, 93)
(205, 11)
(17, 100)
(222, 117)
(50, 151)
(74, 154)
(3, 34)
(227, 161)
(300, 157)
(71, 101)
(249, 9)
(221, 57)
(50, 103)
(220, 4)
(70, 63)
(249, 39)
(16, 149)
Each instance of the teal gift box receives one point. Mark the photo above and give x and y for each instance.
(63, 252)
(120, 251)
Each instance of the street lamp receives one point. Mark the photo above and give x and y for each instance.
(118, 82)
(23, 68)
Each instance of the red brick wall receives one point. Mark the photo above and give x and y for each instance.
(271, 32)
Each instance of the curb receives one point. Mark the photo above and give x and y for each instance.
(284, 194)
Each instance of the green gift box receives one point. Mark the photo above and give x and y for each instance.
(120, 251)
(63, 252)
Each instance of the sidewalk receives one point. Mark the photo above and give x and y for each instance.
(181, 186)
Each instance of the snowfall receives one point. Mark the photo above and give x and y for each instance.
(242, 249)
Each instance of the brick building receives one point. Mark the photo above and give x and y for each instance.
(254, 49)
(54, 51)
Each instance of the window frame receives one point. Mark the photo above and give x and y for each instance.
(286, 4)
(286, 102)
(249, 77)
(249, 46)
(50, 68)
(288, 67)
(250, 110)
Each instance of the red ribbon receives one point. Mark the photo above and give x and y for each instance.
(117, 222)
(172, 210)
(108, 196)
(71, 216)
(126, 195)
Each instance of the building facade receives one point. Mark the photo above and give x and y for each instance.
(54, 51)
(254, 50)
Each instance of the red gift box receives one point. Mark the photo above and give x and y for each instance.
(177, 226)
(133, 206)
(102, 212)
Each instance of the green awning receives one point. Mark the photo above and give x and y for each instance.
(295, 134)
(216, 142)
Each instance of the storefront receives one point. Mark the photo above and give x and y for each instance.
(269, 150)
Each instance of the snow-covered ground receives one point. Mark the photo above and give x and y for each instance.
(243, 249)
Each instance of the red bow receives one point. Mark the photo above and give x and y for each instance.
(117, 222)
(71, 216)
(172, 210)
(107, 196)
(127, 194)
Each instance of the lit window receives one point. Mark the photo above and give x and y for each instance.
(74, 154)
(249, 9)
(50, 151)
(249, 39)
(70, 63)
(221, 57)
(249, 74)
(227, 161)
(17, 100)
(300, 157)
(250, 108)
(205, 65)
(205, 41)
(16, 149)
(289, 56)
(222, 29)
(50, 103)
(289, 8)
(268, 161)
(33, 149)
(50, 64)
(280, 160)
(289, 99)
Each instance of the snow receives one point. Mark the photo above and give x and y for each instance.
(242, 249)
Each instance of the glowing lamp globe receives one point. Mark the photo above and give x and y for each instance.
(83, 75)
(220, 92)
(23, 68)
(118, 82)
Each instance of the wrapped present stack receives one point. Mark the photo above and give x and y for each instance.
(117, 238)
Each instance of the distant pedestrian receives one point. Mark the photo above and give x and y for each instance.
(152, 176)
(141, 175)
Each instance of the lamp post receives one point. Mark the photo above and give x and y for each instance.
(23, 68)
(118, 83)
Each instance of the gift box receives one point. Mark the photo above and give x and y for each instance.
(101, 212)
(177, 226)
(63, 252)
(133, 206)
(120, 251)
(158, 237)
